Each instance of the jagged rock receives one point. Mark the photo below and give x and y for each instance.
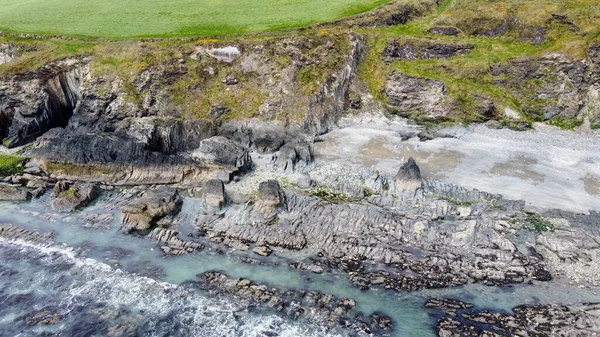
(59, 187)
(14, 232)
(174, 245)
(38, 192)
(268, 137)
(232, 156)
(422, 49)
(46, 317)
(449, 306)
(150, 208)
(408, 95)
(295, 305)
(78, 195)
(303, 181)
(526, 320)
(451, 31)
(292, 154)
(11, 193)
(214, 196)
(408, 177)
(270, 199)
(262, 250)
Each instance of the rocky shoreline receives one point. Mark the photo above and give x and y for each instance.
(401, 233)
(218, 146)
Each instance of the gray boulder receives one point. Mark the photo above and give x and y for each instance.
(214, 196)
(270, 199)
(11, 193)
(77, 196)
(230, 155)
(153, 206)
(410, 96)
(408, 177)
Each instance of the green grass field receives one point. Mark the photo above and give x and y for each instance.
(175, 18)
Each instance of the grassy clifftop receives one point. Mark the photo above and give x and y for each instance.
(516, 61)
(177, 18)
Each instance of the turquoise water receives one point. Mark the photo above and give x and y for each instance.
(119, 256)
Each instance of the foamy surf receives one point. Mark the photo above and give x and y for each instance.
(93, 299)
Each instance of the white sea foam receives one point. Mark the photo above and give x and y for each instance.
(91, 281)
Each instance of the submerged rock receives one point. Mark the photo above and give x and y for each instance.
(526, 320)
(153, 206)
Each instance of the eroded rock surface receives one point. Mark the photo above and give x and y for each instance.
(526, 320)
(150, 208)
(12, 193)
(74, 197)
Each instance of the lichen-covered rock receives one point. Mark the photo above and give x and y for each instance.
(151, 207)
(77, 196)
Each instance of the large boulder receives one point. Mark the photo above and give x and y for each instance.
(408, 177)
(77, 196)
(11, 193)
(214, 196)
(153, 206)
(270, 199)
(231, 156)
(412, 96)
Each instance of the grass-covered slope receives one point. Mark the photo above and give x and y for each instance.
(507, 37)
(158, 18)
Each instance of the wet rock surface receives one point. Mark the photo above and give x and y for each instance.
(525, 320)
(312, 305)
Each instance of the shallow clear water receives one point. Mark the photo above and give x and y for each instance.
(101, 270)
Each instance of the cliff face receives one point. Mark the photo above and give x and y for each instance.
(141, 122)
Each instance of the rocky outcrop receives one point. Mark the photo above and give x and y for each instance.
(526, 320)
(214, 196)
(12, 232)
(305, 305)
(7, 52)
(408, 177)
(413, 49)
(33, 103)
(349, 233)
(12, 193)
(409, 95)
(171, 244)
(548, 86)
(153, 206)
(270, 199)
(77, 196)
